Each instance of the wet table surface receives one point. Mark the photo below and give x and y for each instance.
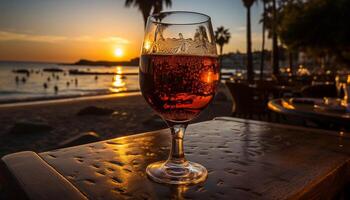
(245, 160)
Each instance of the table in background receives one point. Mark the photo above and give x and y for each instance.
(307, 110)
(245, 160)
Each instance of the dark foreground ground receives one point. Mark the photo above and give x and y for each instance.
(131, 115)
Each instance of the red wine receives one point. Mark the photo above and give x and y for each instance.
(178, 87)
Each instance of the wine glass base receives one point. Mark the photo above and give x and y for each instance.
(177, 174)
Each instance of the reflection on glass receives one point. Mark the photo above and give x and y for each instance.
(147, 45)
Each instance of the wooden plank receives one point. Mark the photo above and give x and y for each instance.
(9, 189)
(38, 179)
(328, 186)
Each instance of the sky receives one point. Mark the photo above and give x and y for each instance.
(68, 30)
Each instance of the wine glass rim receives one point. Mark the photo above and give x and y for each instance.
(153, 16)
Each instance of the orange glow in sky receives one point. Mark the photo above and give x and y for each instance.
(66, 31)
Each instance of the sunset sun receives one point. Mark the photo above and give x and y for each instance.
(118, 52)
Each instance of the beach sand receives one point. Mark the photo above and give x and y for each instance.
(132, 115)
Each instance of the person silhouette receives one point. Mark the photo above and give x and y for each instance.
(56, 89)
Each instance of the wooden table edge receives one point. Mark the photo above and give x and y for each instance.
(316, 190)
(38, 179)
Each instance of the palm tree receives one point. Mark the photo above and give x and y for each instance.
(148, 6)
(158, 5)
(263, 21)
(222, 37)
(275, 55)
(250, 73)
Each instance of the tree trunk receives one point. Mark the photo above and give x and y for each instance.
(275, 56)
(145, 17)
(262, 61)
(250, 72)
(290, 59)
(220, 61)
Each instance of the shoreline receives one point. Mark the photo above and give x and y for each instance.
(45, 100)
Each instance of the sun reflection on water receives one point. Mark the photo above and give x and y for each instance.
(119, 69)
(118, 83)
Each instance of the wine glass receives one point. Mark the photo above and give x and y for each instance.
(179, 72)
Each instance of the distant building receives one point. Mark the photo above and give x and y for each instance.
(238, 60)
(233, 60)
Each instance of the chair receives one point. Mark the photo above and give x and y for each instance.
(268, 87)
(248, 101)
(320, 91)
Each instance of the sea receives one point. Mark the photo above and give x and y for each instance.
(29, 81)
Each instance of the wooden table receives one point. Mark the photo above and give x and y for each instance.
(245, 160)
(311, 111)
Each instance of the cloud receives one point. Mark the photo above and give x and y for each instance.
(13, 36)
(114, 39)
(241, 28)
(82, 38)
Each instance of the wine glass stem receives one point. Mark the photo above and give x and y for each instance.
(177, 154)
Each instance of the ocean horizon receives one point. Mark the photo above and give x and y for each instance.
(40, 84)
(29, 80)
